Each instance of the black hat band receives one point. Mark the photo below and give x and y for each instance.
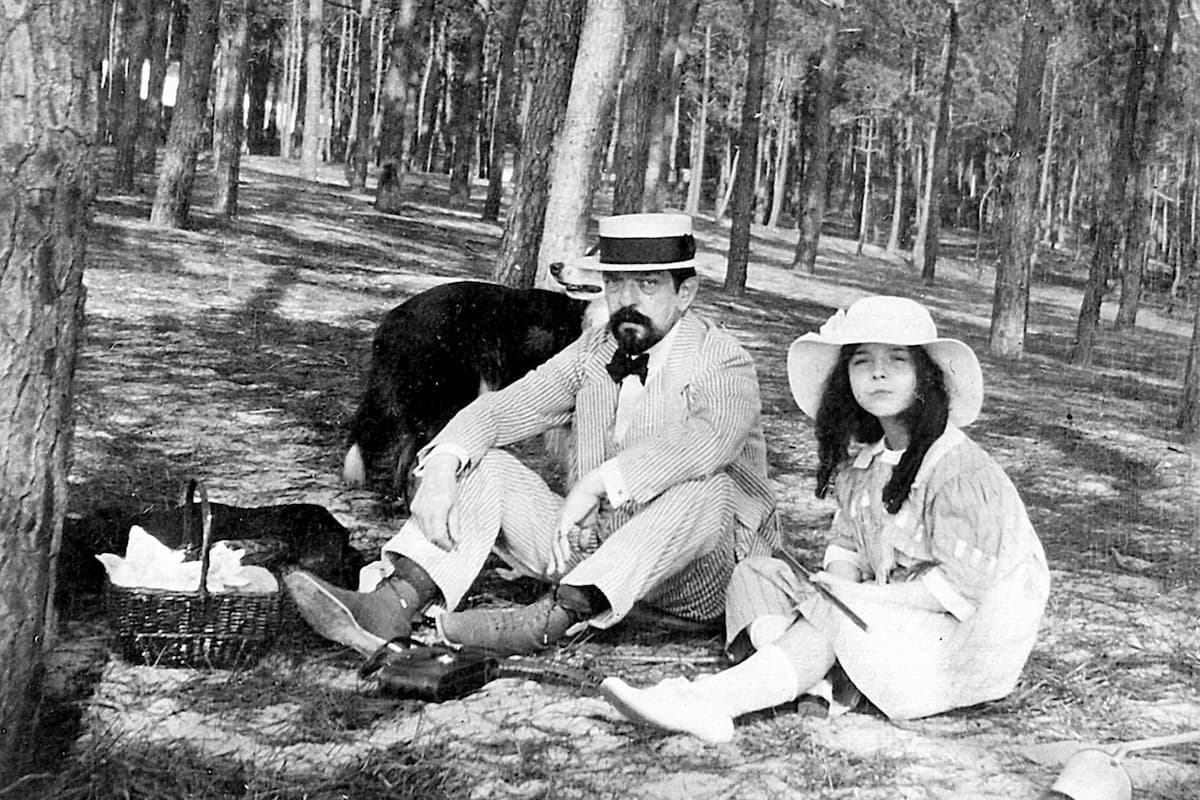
(647, 250)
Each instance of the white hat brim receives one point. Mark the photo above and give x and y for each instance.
(812, 358)
(592, 262)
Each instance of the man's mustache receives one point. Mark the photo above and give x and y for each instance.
(628, 314)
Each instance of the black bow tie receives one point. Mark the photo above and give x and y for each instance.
(623, 364)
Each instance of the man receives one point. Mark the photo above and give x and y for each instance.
(668, 485)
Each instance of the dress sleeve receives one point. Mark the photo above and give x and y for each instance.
(843, 544)
(969, 519)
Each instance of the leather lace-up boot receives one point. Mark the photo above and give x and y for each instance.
(519, 630)
(363, 621)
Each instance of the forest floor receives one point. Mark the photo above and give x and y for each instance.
(235, 353)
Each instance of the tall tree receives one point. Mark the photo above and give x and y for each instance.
(1100, 268)
(1135, 228)
(314, 84)
(813, 182)
(639, 96)
(173, 196)
(744, 181)
(151, 129)
(48, 118)
(925, 247)
(1010, 302)
(502, 118)
(465, 98)
(227, 105)
(579, 149)
(681, 16)
(358, 149)
(396, 124)
(700, 131)
(516, 262)
(136, 35)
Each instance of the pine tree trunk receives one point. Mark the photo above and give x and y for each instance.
(1010, 302)
(502, 119)
(700, 132)
(136, 29)
(310, 142)
(579, 149)
(396, 123)
(900, 155)
(358, 150)
(813, 184)
(466, 95)
(783, 136)
(744, 179)
(516, 263)
(1135, 228)
(681, 16)
(173, 197)
(925, 248)
(865, 218)
(1047, 193)
(639, 95)
(1188, 419)
(1100, 269)
(293, 50)
(151, 136)
(48, 100)
(227, 106)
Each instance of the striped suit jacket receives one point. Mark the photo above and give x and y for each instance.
(698, 416)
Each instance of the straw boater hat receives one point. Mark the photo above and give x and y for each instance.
(889, 320)
(637, 242)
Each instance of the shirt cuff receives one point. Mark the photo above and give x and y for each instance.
(459, 452)
(614, 483)
(835, 552)
(951, 599)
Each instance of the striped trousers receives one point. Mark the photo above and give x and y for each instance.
(675, 553)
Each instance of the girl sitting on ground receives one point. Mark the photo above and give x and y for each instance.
(930, 545)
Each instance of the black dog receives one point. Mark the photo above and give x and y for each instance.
(436, 352)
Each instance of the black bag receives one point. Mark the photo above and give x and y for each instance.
(433, 673)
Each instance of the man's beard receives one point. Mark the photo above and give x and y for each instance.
(630, 339)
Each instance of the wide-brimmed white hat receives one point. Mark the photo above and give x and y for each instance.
(888, 320)
(638, 242)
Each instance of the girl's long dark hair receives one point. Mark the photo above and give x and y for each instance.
(841, 421)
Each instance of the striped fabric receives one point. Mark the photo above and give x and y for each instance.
(693, 459)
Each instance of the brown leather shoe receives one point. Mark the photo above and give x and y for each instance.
(364, 621)
(510, 631)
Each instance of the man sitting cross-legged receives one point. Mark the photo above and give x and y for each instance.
(668, 484)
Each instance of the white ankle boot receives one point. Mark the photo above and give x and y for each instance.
(706, 707)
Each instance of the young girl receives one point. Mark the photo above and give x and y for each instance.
(930, 545)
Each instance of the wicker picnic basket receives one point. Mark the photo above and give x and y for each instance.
(223, 630)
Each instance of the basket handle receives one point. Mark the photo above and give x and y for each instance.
(189, 491)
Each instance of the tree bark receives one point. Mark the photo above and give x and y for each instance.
(925, 248)
(466, 95)
(516, 263)
(639, 96)
(173, 197)
(227, 106)
(1107, 224)
(48, 124)
(681, 16)
(744, 179)
(502, 119)
(1010, 301)
(700, 132)
(359, 149)
(151, 136)
(1135, 228)
(579, 149)
(812, 189)
(396, 123)
(310, 142)
(1188, 419)
(135, 33)
(865, 217)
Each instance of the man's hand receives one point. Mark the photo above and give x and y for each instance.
(578, 511)
(433, 507)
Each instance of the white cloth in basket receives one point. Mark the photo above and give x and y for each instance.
(150, 564)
